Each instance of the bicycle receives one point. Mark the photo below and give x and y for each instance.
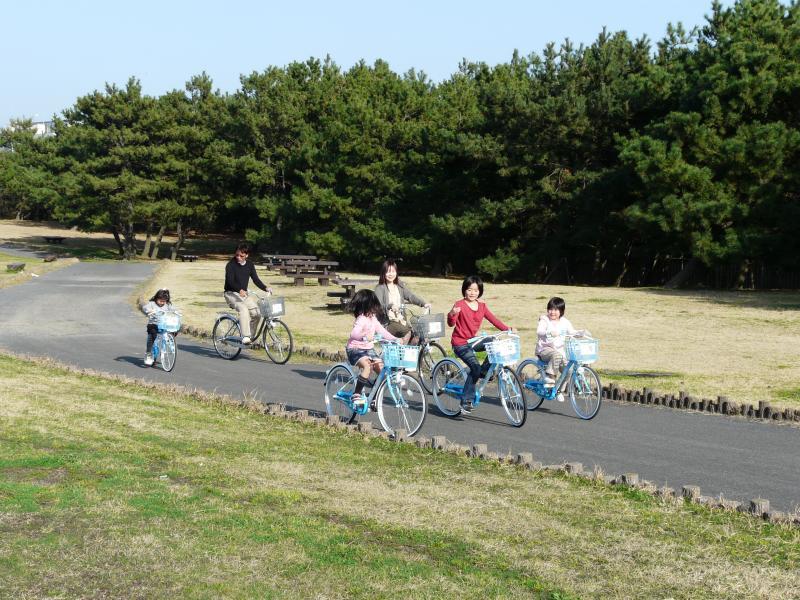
(426, 327)
(165, 350)
(449, 378)
(276, 338)
(584, 382)
(403, 407)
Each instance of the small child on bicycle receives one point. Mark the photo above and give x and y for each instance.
(160, 302)
(466, 317)
(360, 348)
(552, 330)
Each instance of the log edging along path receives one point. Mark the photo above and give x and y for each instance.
(758, 508)
(645, 397)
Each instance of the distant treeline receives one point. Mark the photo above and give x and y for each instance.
(611, 163)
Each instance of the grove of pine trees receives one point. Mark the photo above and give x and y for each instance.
(605, 164)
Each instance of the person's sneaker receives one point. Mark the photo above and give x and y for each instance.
(560, 397)
(358, 400)
(373, 406)
(246, 340)
(148, 360)
(466, 408)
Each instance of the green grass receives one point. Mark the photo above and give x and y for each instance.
(110, 488)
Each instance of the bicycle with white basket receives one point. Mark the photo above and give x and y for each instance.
(583, 382)
(397, 397)
(449, 378)
(165, 350)
(275, 335)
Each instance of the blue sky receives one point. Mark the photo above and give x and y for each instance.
(55, 51)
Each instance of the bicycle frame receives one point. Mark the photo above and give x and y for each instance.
(480, 385)
(571, 370)
(385, 374)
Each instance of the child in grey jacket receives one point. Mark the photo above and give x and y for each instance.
(159, 303)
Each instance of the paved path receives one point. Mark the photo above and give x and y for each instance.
(81, 315)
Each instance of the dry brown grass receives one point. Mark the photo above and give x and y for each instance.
(736, 344)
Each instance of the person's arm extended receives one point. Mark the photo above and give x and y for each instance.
(409, 296)
(254, 276)
(541, 328)
(382, 330)
(489, 316)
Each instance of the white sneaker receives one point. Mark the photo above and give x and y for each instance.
(246, 340)
(148, 360)
(560, 397)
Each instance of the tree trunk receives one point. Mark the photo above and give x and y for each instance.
(621, 276)
(148, 240)
(178, 243)
(745, 273)
(161, 230)
(683, 276)
(120, 247)
(129, 235)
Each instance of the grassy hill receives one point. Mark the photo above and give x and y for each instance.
(110, 488)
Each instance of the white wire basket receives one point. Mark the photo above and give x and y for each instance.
(503, 352)
(169, 321)
(398, 356)
(429, 327)
(272, 307)
(584, 350)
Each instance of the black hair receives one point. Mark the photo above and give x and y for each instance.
(468, 281)
(389, 262)
(556, 302)
(243, 247)
(365, 302)
(162, 294)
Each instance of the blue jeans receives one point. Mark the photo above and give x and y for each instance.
(476, 370)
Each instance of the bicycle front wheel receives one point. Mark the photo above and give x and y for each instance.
(448, 381)
(531, 377)
(512, 397)
(585, 392)
(401, 404)
(277, 340)
(429, 355)
(227, 337)
(340, 383)
(167, 351)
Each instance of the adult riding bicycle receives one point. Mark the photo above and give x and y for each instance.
(583, 382)
(449, 378)
(426, 327)
(165, 350)
(397, 397)
(276, 338)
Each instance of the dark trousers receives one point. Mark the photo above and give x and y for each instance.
(152, 333)
(476, 370)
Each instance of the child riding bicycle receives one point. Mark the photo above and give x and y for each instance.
(159, 303)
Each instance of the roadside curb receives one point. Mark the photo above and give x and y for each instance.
(683, 401)
(758, 508)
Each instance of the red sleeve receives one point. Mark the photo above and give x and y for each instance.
(451, 321)
(494, 320)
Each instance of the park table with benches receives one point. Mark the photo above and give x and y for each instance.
(53, 239)
(299, 270)
(350, 286)
(277, 260)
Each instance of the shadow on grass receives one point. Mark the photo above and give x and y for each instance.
(778, 300)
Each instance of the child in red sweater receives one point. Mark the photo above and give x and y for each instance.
(466, 317)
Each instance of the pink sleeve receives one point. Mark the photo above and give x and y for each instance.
(494, 320)
(382, 330)
(360, 328)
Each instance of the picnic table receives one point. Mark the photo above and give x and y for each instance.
(189, 257)
(53, 239)
(276, 260)
(299, 270)
(350, 286)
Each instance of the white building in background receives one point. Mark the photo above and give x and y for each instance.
(43, 128)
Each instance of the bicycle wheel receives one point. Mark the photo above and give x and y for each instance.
(401, 404)
(512, 397)
(277, 340)
(339, 386)
(585, 392)
(226, 336)
(448, 381)
(531, 377)
(168, 351)
(428, 357)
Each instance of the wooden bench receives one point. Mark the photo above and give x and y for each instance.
(322, 277)
(278, 260)
(189, 257)
(15, 267)
(53, 239)
(350, 286)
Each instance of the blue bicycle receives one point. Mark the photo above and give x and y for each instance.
(583, 382)
(449, 377)
(398, 398)
(165, 351)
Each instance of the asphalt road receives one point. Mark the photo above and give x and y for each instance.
(81, 315)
